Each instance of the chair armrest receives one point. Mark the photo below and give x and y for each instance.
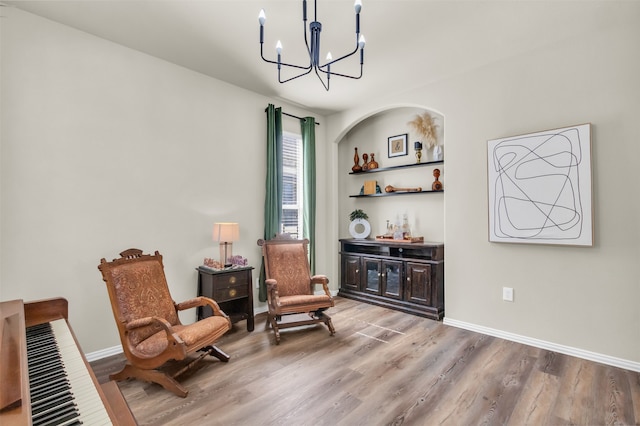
(191, 303)
(201, 301)
(319, 279)
(323, 280)
(273, 299)
(143, 322)
(271, 284)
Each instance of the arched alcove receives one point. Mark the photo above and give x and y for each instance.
(370, 134)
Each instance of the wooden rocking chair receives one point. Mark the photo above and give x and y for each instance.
(147, 318)
(290, 286)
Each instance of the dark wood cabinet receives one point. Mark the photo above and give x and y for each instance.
(351, 272)
(408, 277)
(382, 277)
(232, 289)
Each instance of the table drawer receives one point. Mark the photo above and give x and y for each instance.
(228, 293)
(229, 280)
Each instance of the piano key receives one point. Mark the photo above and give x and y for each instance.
(86, 395)
(62, 391)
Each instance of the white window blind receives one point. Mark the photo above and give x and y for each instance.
(292, 184)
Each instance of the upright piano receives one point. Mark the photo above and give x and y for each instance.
(44, 376)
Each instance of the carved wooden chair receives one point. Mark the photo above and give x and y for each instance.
(290, 286)
(147, 318)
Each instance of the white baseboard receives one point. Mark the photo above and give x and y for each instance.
(567, 350)
(104, 353)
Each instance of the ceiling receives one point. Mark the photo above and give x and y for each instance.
(410, 43)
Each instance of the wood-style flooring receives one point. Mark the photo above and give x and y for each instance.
(384, 367)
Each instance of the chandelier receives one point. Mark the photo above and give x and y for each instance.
(312, 41)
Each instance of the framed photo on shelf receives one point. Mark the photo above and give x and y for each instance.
(398, 145)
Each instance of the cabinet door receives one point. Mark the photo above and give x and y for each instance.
(351, 272)
(418, 283)
(392, 279)
(372, 278)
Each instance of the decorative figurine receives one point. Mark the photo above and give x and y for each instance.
(418, 147)
(373, 164)
(437, 153)
(356, 167)
(365, 164)
(437, 185)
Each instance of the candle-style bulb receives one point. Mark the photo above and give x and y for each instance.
(279, 47)
(329, 57)
(358, 6)
(361, 42)
(262, 17)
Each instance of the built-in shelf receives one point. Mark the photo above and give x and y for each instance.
(404, 166)
(386, 169)
(389, 194)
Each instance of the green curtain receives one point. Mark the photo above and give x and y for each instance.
(307, 126)
(273, 197)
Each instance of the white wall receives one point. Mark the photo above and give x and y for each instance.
(104, 148)
(582, 298)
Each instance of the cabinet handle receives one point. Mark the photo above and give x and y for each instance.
(357, 270)
(408, 278)
(232, 280)
(382, 275)
(379, 274)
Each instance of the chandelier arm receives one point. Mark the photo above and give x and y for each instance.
(293, 78)
(308, 68)
(343, 75)
(353, 52)
(306, 40)
(326, 86)
(282, 63)
(341, 58)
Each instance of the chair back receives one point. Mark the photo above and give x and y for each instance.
(138, 289)
(287, 262)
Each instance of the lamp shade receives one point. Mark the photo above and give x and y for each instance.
(226, 232)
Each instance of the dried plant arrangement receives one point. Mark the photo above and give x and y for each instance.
(425, 127)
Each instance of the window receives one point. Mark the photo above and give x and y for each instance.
(292, 184)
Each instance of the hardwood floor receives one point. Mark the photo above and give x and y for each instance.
(385, 368)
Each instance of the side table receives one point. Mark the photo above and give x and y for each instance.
(231, 288)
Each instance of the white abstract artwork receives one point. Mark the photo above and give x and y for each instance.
(540, 187)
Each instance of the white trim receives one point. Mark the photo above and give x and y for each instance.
(567, 350)
(103, 353)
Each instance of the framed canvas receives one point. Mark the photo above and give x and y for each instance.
(398, 145)
(539, 187)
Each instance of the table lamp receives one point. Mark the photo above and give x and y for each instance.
(226, 234)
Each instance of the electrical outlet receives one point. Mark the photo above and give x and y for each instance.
(507, 294)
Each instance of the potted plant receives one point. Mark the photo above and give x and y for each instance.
(359, 228)
(358, 214)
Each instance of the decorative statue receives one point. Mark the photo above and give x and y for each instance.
(373, 164)
(356, 167)
(437, 185)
